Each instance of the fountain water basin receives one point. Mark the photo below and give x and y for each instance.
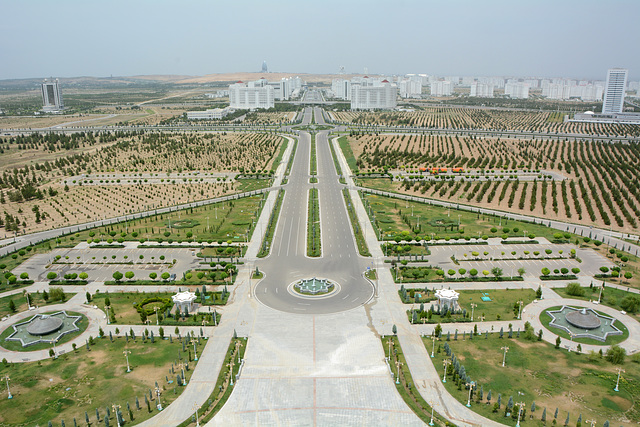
(581, 322)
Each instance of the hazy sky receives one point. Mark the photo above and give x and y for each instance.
(569, 38)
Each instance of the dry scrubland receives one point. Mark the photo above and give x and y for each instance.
(601, 188)
(469, 118)
(32, 184)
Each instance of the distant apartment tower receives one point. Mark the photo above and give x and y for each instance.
(52, 96)
(410, 88)
(481, 90)
(264, 67)
(381, 96)
(341, 89)
(517, 90)
(614, 90)
(441, 88)
(243, 96)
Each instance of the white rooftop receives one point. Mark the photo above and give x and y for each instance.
(185, 296)
(447, 294)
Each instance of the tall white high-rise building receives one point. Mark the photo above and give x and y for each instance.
(52, 96)
(382, 96)
(441, 88)
(517, 90)
(614, 90)
(410, 88)
(341, 88)
(481, 90)
(252, 96)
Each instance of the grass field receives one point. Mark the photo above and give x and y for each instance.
(501, 306)
(537, 372)
(83, 381)
(20, 302)
(611, 297)
(413, 220)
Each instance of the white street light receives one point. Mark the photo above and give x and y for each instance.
(618, 381)
(126, 355)
(504, 357)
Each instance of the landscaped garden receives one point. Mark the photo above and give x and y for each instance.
(82, 385)
(554, 385)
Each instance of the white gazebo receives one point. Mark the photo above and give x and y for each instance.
(184, 301)
(447, 298)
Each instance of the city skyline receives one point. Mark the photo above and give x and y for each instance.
(500, 38)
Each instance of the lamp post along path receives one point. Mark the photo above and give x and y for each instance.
(504, 357)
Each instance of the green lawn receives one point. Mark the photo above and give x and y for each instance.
(124, 306)
(611, 297)
(20, 302)
(64, 388)
(501, 306)
(399, 218)
(348, 153)
(552, 378)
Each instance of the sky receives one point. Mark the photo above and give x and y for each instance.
(560, 38)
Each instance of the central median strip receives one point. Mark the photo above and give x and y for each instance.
(313, 161)
(265, 247)
(313, 225)
(363, 249)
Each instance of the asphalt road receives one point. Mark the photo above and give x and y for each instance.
(288, 262)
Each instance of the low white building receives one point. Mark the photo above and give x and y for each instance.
(212, 114)
(447, 298)
(243, 96)
(375, 97)
(184, 301)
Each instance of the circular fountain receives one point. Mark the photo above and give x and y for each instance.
(314, 287)
(583, 319)
(44, 325)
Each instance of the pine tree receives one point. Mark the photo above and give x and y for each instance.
(544, 415)
(566, 422)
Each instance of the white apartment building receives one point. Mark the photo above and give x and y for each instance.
(481, 90)
(369, 97)
(52, 101)
(517, 90)
(211, 114)
(441, 88)
(341, 89)
(410, 88)
(254, 95)
(614, 90)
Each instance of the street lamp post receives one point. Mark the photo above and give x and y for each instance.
(431, 422)
(520, 303)
(126, 355)
(195, 352)
(398, 363)
(471, 385)
(504, 357)
(115, 411)
(618, 380)
(55, 354)
(159, 401)
(195, 406)
(473, 306)
(6, 378)
(520, 406)
(445, 362)
(592, 422)
(390, 342)
(157, 320)
(433, 348)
